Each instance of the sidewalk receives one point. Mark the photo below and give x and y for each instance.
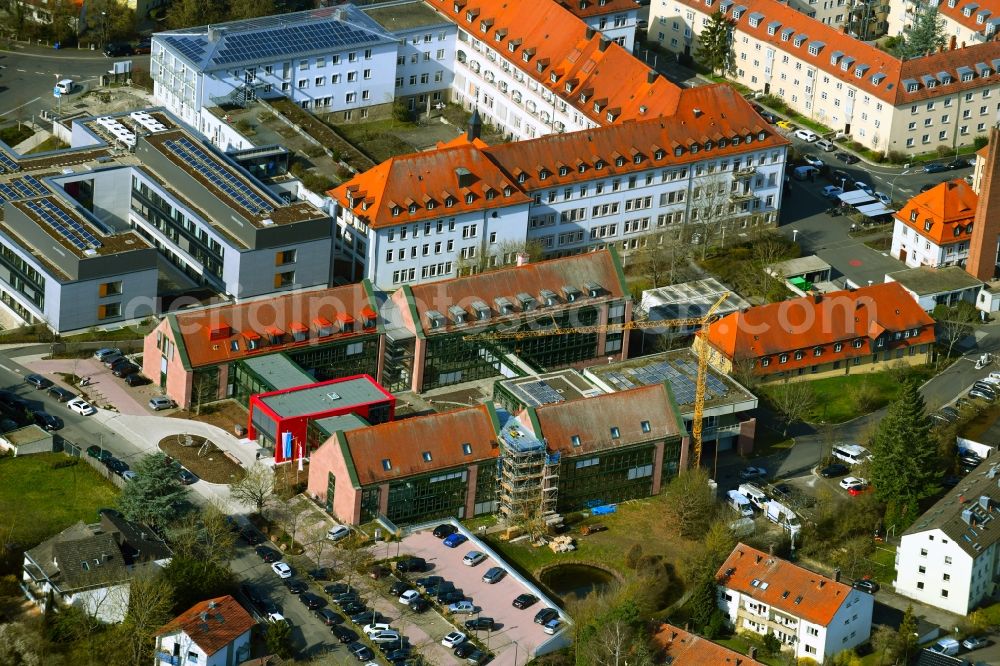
(104, 389)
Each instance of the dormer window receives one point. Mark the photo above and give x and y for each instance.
(599, 164)
(678, 151)
(471, 15)
(386, 464)
(563, 170)
(469, 198)
(619, 161)
(913, 216)
(761, 136)
(659, 154)
(754, 20)
(708, 145)
(491, 194)
(927, 225)
(449, 202)
(521, 177)
(737, 13)
(637, 159)
(786, 34)
(694, 148)
(507, 191)
(396, 210)
(799, 40)
(813, 49)
(574, 440)
(543, 174)
(430, 205)
(467, 449)
(645, 426)
(615, 433)
(412, 208)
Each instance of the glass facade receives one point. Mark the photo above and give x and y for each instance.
(23, 279)
(354, 356)
(398, 370)
(613, 475)
(244, 382)
(428, 496)
(450, 359)
(486, 488)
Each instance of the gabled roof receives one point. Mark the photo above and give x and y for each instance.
(556, 41)
(483, 292)
(942, 214)
(955, 10)
(685, 649)
(454, 179)
(782, 585)
(803, 323)
(282, 36)
(404, 446)
(588, 8)
(577, 427)
(211, 624)
(92, 561)
(262, 326)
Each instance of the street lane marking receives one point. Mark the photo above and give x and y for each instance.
(5, 367)
(32, 101)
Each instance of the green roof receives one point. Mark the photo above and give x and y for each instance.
(279, 371)
(331, 424)
(325, 397)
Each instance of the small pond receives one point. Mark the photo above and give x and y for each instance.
(579, 580)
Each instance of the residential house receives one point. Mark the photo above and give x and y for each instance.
(823, 335)
(615, 19)
(964, 22)
(91, 566)
(948, 557)
(214, 632)
(682, 648)
(812, 615)
(934, 228)
(882, 102)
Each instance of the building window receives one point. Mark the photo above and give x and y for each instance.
(109, 310)
(386, 464)
(285, 279)
(285, 257)
(427, 456)
(645, 426)
(575, 440)
(110, 288)
(467, 449)
(615, 433)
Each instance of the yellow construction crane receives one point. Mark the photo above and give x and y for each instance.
(703, 351)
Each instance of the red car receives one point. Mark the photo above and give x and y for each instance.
(859, 490)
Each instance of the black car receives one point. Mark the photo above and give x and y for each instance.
(268, 608)
(118, 50)
(846, 158)
(444, 530)
(928, 186)
(866, 585)
(419, 605)
(959, 163)
(769, 117)
(463, 650)
(361, 651)
(481, 623)
(252, 594)
(251, 536)
(119, 363)
(546, 614)
(834, 470)
(354, 608)
(61, 394)
(143, 46)
(296, 586)
(524, 600)
(37, 381)
(781, 490)
(935, 168)
(328, 617)
(48, 421)
(117, 466)
(269, 555)
(411, 565)
(136, 380)
(312, 601)
(441, 588)
(320, 573)
(343, 634)
(346, 598)
(428, 581)
(398, 588)
(398, 654)
(477, 657)
(337, 589)
(367, 616)
(125, 369)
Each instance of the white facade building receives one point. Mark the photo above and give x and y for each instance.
(214, 632)
(934, 228)
(949, 557)
(965, 22)
(812, 615)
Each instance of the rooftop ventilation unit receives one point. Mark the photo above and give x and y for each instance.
(457, 313)
(436, 318)
(333, 396)
(504, 306)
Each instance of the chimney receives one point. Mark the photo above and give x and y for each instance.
(603, 45)
(523, 258)
(770, 550)
(213, 34)
(836, 575)
(475, 128)
(817, 297)
(758, 559)
(651, 76)
(981, 263)
(951, 43)
(821, 584)
(590, 33)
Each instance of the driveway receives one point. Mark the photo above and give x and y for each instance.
(104, 388)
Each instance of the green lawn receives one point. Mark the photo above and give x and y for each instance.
(39, 500)
(51, 143)
(741, 645)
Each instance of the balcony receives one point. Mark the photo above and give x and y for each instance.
(167, 658)
(744, 172)
(737, 197)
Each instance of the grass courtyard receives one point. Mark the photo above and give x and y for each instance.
(45, 493)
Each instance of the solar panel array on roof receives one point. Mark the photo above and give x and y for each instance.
(8, 164)
(36, 184)
(218, 175)
(65, 225)
(192, 48)
(290, 40)
(541, 392)
(681, 378)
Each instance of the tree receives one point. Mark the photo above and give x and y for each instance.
(205, 535)
(246, 9)
(925, 35)
(150, 601)
(491, 259)
(64, 17)
(111, 20)
(195, 580)
(256, 487)
(317, 544)
(616, 643)
(715, 45)
(954, 323)
(884, 642)
(152, 497)
(904, 466)
(20, 646)
(278, 637)
(690, 502)
(772, 644)
(908, 634)
(791, 401)
(704, 608)
(190, 13)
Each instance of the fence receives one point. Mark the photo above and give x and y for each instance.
(77, 451)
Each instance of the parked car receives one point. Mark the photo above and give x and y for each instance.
(105, 352)
(450, 597)
(143, 46)
(786, 124)
(444, 530)
(129, 475)
(419, 605)
(462, 608)
(866, 585)
(959, 163)
(186, 477)
(251, 536)
(110, 359)
(312, 601)
(94, 451)
(117, 50)
(494, 575)
(473, 557)
(850, 481)
(361, 651)
(428, 581)
(320, 573)
(117, 466)
(455, 540)
(982, 395)
(546, 614)
(864, 187)
(834, 470)
(812, 160)
(552, 626)
(463, 650)
(453, 638)
(337, 589)
(832, 191)
(47, 421)
(294, 585)
(343, 634)
(125, 369)
(137, 379)
(81, 407)
(751, 473)
(847, 158)
(524, 600)
(37, 381)
(481, 623)
(119, 363)
(391, 636)
(934, 167)
(477, 657)
(60, 394)
(408, 596)
(282, 569)
(398, 587)
(883, 198)
(338, 532)
(806, 135)
(328, 617)
(161, 402)
(975, 642)
(411, 565)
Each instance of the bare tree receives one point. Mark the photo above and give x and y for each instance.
(316, 543)
(744, 371)
(20, 646)
(354, 557)
(955, 323)
(505, 254)
(716, 202)
(256, 488)
(618, 644)
(149, 606)
(690, 501)
(792, 401)
(205, 536)
(288, 519)
(661, 257)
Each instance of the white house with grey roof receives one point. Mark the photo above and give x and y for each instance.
(948, 557)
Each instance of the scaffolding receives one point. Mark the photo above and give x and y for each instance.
(528, 476)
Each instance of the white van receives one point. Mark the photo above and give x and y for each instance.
(803, 172)
(948, 646)
(754, 493)
(852, 454)
(740, 504)
(828, 146)
(65, 86)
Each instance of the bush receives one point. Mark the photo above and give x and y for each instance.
(68, 462)
(980, 141)
(944, 151)
(898, 157)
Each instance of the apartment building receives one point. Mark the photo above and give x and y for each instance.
(812, 615)
(886, 104)
(339, 60)
(965, 22)
(824, 335)
(948, 557)
(934, 228)
(615, 19)
(420, 217)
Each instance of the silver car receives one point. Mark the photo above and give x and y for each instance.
(161, 402)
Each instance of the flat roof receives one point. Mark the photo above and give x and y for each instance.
(26, 435)
(799, 266)
(680, 368)
(558, 386)
(925, 280)
(317, 398)
(404, 15)
(690, 299)
(332, 424)
(860, 264)
(279, 371)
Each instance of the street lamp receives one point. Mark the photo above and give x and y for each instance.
(892, 183)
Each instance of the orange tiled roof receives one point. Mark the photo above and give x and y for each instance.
(224, 621)
(955, 10)
(587, 8)
(558, 43)
(477, 292)
(685, 649)
(208, 335)
(807, 324)
(947, 209)
(883, 75)
(404, 444)
(445, 181)
(591, 420)
(783, 585)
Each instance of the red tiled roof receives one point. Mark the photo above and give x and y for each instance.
(990, 9)
(892, 73)
(557, 41)
(807, 324)
(404, 444)
(685, 649)
(208, 334)
(586, 8)
(948, 208)
(464, 292)
(591, 420)
(224, 621)
(783, 585)
(426, 182)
